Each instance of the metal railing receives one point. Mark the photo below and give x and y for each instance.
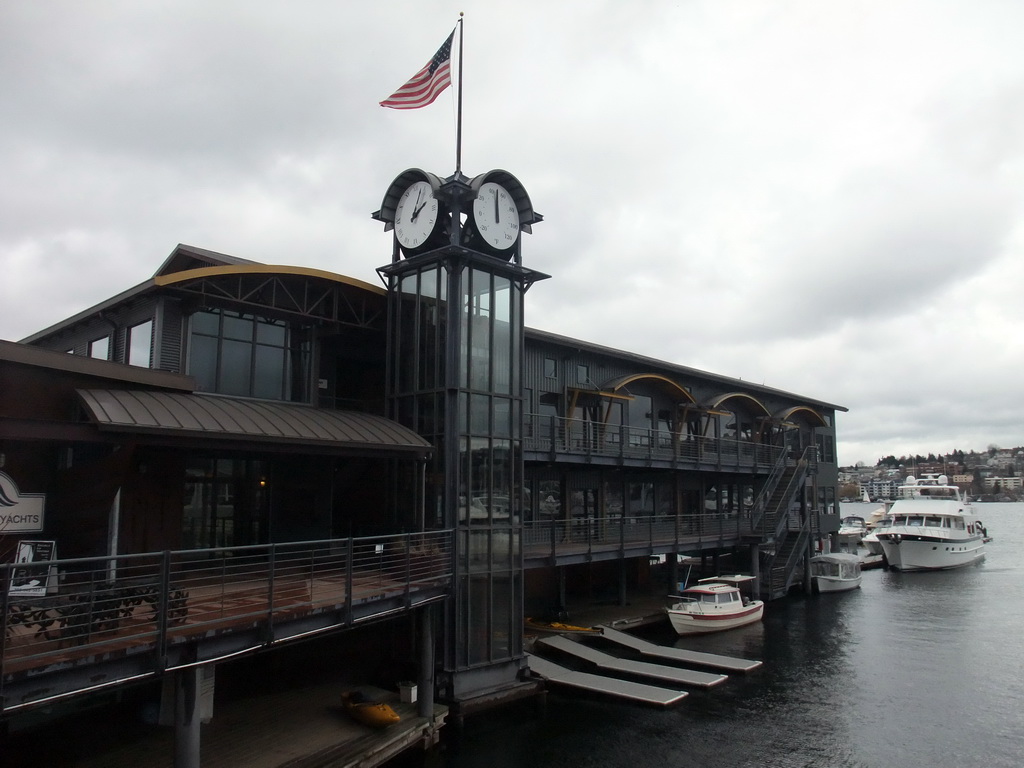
(591, 535)
(558, 435)
(62, 614)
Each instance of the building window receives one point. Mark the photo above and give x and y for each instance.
(583, 374)
(140, 344)
(826, 448)
(550, 369)
(100, 348)
(239, 354)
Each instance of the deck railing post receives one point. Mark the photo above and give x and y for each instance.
(408, 566)
(271, 567)
(5, 576)
(349, 554)
(163, 603)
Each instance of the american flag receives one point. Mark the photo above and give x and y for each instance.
(427, 84)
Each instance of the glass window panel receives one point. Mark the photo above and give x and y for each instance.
(479, 419)
(237, 328)
(235, 367)
(271, 333)
(502, 417)
(100, 348)
(463, 416)
(268, 378)
(464, 339)
(298, 373)
(140, 342)
(202, 362)
(479, 619)
(206, 322)
(504, 359)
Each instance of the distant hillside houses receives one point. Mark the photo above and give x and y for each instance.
(996, 474)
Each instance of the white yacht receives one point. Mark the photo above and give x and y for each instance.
(931, 527)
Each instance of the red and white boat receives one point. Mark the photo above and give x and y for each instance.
(713, 605)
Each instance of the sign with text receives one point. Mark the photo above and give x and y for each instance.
(32, 580)
(19, 512)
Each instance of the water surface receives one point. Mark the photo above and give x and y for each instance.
(917, 669)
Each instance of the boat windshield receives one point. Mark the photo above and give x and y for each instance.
(933, 522)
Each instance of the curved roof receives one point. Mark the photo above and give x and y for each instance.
(717, 401)
(622, 381)
(264, 269)
(812, 414)
(257, 423)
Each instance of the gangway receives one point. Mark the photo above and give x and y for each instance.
(623, 689)
(608, 663)
(711, 660)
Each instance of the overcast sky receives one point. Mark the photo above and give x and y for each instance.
(823, 197)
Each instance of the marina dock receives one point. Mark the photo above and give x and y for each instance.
(710, 660)
(607, 662)
(623, 689)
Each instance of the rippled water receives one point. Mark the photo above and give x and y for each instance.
(922, 669)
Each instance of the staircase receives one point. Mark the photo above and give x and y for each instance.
(784, 535)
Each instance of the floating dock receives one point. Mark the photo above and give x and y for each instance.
(608, 663)
(623, 689)
(710, 660)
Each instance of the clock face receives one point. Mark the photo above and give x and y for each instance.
(415, 215)
(496, 216)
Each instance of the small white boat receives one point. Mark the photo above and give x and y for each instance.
(836, 572)
(852, 529)
(931, 527)
(713, 605)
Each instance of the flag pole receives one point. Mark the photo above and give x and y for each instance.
(458, 128)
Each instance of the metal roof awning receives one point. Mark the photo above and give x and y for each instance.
(259, 424)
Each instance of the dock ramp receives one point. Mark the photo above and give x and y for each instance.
(608, 663)
(653, 650)
(623, 689)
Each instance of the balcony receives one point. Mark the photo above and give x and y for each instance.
(550, 438)
(585, 539)
(71, 626)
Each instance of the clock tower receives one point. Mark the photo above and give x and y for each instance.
(456, 286)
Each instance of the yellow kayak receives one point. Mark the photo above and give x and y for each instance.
(367, 711)
(558, 626)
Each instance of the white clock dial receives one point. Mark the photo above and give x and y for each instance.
(415, 215)
(496, 216)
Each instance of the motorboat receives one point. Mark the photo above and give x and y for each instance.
(836, 572)
(852, 529)
(931, 527)
(870, 540)
(713, 605)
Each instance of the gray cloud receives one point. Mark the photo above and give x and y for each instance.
(824, 198)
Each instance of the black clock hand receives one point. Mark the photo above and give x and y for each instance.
(418, 206)
(495, 193)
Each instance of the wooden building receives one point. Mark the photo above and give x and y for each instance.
(232, 456)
